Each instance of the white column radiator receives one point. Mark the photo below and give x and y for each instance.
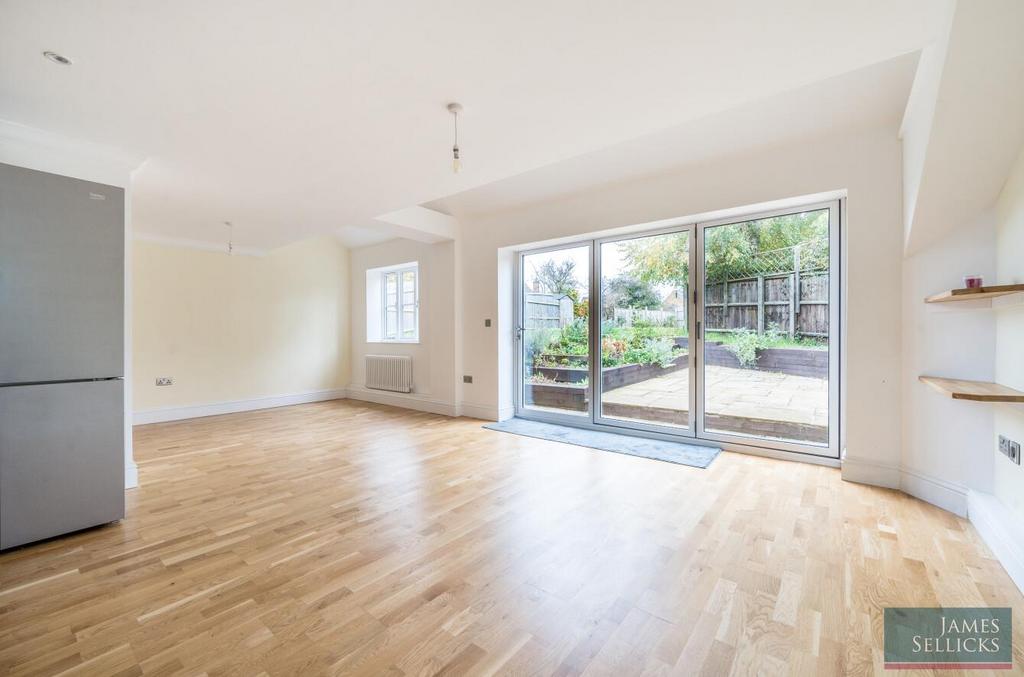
(389, 372)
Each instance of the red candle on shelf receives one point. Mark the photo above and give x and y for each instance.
(972, 281)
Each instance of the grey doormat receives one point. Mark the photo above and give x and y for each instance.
(673, 452)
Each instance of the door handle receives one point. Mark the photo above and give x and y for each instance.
(698, 330)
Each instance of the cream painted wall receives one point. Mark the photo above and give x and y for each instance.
(1009, 362)
(231, 328)
(866, 163)
(434, 356)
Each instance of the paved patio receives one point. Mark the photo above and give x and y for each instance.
(735, 394)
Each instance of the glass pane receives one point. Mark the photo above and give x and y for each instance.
(390, 323)
(390, 290)
(408, 323)
(555, 341)
(645, 373)
(409, 282)
(766, 328)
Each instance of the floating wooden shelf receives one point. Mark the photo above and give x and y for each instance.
(977, 391)
(975, 293)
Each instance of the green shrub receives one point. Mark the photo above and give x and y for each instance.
(744, 346)
(573, 338)
(537, 342)
(660, 351)
(745, 343)
(663, 352)
(612, 351)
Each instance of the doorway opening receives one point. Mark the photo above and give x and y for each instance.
(725, 331)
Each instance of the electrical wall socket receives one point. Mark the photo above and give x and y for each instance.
(1009, 448)
(164, 381)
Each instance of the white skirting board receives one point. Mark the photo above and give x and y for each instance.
(869, 472)
(131, 475)
(196, 411)
(946, 495)
(1001, 531)
(938, 492)
(403, 400)
(485, 413)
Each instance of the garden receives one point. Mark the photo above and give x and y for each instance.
(561, 355)
(765, 304)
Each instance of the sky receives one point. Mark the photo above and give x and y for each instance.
(612, 264)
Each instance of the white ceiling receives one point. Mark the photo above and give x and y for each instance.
(869, 96)
(300, 118)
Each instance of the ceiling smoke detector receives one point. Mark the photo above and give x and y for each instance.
(57, 58)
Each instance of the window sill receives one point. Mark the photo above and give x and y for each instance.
(399, 341)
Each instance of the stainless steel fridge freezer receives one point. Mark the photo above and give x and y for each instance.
(61, 354)
(61, 458)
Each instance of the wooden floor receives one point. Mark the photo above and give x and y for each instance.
(350, 538)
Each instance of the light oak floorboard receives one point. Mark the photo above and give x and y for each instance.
(351, 538)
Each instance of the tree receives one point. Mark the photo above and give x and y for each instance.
(735, 250)
(764, 245)
(625, 291)
(663, 259)
(557, 278)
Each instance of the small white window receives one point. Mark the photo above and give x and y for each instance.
(392, 304)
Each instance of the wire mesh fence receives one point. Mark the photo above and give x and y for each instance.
(807, 256)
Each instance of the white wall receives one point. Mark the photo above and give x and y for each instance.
(433, 357)
(865, 163)
(1009, 353)
(999, 516)
(945, 442)
(238, 332)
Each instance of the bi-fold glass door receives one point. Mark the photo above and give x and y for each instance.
(643, 332)
(554, 352)
(768, 348)
(722, 331)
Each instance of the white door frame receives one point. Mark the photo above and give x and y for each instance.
(595, 332)
(695, 432)
(831, 449)
(521, 410)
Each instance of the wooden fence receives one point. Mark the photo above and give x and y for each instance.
(628, 316)
(547, 311)
(794, 303)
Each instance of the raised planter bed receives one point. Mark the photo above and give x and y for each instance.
(611, 377)
(565, 396)
(572, 394)
(628, 374)
(563, 374)
(567, 360)
(794, 361)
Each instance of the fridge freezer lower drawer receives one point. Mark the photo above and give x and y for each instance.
(61, 458)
